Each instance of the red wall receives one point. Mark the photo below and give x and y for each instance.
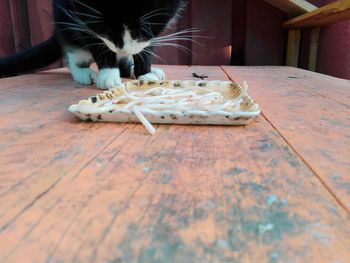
(6, 39)
(265, 38)
(222, 23)
(238, 32)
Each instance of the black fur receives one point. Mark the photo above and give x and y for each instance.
(77, 21)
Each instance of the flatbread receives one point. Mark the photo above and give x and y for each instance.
(171, 102)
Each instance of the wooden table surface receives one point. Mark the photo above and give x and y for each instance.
(277, 190)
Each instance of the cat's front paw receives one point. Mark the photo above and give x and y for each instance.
(108, 78)
(84, 76)
(154, 75)
(158, 72)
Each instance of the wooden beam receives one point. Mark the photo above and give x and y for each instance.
(293, 48)
(328, 14)
(293, 7)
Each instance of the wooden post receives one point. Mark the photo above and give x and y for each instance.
(293, 47)
(315, 35)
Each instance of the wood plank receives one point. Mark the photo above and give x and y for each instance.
(332, 13)
(293, 48)
(187, 194)
(293, 7)
(133, 208)
(311, 111)
(27, 123)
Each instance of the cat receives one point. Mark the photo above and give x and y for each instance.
(118, 37)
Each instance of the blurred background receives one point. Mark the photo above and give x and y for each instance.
(241, 32)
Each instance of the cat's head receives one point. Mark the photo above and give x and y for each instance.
(130, 27)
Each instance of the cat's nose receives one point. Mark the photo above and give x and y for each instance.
(122, 53)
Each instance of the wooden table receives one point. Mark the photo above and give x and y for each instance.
(277, 190)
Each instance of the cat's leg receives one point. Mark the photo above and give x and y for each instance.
(109, 75)
(143, 69)
(79, 62)
(126, 67)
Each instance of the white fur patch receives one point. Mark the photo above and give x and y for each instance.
(158, 72)
(84, 76)
(132, 46)
(108, 78)
(154, 75)
(109, 44)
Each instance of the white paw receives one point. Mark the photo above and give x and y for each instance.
(108, 78)
(84, 76)
(148, 76)
(156, 74)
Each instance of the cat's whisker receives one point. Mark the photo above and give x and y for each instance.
(88, 7)
(184, 36)
(154, 11)
(178, 39)
(140, 56)
(149, 57)
(153, 54)
(180, 47)
(155, 15)
(86, 15)
(79, 26)
(155, 23)
(182, 32)
(147, 30)
(93, 44)
(71, 15)
(80, 30)
(94, 22)
(78, 23)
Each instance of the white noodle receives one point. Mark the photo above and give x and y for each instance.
(143, 120)
(190, 100)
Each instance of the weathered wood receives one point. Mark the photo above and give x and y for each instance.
(332, 13)
(293, 7)
(293, 47)
(311, 111)
(86, 192)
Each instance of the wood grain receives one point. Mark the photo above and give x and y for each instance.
(311, 111)
(86, 192)
(329, 14)
(293, 7)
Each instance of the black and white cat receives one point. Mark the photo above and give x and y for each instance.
(117, 35)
